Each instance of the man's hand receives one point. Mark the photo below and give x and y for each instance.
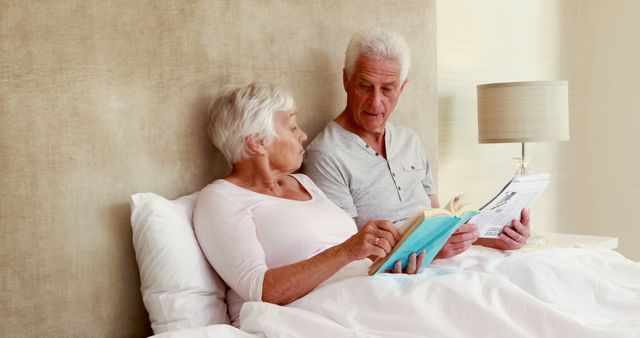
(460, 241)
(513, 236)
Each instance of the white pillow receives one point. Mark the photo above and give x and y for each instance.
(179, 288)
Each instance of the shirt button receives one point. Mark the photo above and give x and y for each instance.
(399, 189)
(377, 154)
(393, 174)
(366, 146)
(412, 167)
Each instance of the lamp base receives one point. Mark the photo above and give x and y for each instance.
(522, 167)
(537, 240)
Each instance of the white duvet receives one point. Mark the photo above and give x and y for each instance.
(564, 292)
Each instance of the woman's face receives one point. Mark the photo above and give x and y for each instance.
(286, 150)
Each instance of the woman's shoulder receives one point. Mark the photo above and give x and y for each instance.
(304, 179)
(218, 194)
(308, 183)
(217, 185)
(216, 189)
(218, 204)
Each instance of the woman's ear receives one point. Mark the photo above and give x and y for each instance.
(254, 145)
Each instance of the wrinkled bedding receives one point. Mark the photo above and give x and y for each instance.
(556, 292)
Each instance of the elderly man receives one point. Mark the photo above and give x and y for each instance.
(372, 168)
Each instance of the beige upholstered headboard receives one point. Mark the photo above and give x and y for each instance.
(102, 99)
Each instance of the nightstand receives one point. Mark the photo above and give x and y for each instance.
(556, 239)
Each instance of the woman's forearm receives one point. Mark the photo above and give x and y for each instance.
(287, 283)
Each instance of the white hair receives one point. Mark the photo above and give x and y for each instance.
(378, 43)
(238, 112)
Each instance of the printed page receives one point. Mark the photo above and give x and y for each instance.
(520, 194)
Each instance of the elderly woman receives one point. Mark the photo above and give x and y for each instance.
(272, 235)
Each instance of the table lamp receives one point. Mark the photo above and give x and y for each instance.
(520, 112)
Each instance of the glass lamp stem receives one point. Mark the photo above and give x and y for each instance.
(522, 163)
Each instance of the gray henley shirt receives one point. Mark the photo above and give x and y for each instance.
(362, 182)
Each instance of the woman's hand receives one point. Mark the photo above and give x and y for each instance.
(512, 237)
(413, 265)
(374, 239)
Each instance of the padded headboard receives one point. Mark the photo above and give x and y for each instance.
(102, 99)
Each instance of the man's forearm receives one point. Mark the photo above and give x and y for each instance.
(435, 202)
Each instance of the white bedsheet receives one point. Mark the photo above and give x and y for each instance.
(564, 292)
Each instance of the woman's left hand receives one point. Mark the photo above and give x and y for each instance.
(413, 265)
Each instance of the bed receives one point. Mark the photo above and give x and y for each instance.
(555, 291)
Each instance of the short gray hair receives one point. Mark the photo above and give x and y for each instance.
(238, 112)
(378, 43)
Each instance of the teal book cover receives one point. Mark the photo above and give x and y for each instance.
(431, 234)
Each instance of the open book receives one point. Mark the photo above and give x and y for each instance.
(428, 230)
(520, 193)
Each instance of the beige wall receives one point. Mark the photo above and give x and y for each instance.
(102, 99)
(499, 41)
(608, 177)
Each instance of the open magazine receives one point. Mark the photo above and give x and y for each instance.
(520, 193)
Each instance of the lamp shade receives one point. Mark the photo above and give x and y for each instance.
(523, 112)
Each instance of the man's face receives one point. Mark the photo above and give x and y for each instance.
(372, 92)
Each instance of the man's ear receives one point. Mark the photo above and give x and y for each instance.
(255, 145)
(404, 83)
(345, 78)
